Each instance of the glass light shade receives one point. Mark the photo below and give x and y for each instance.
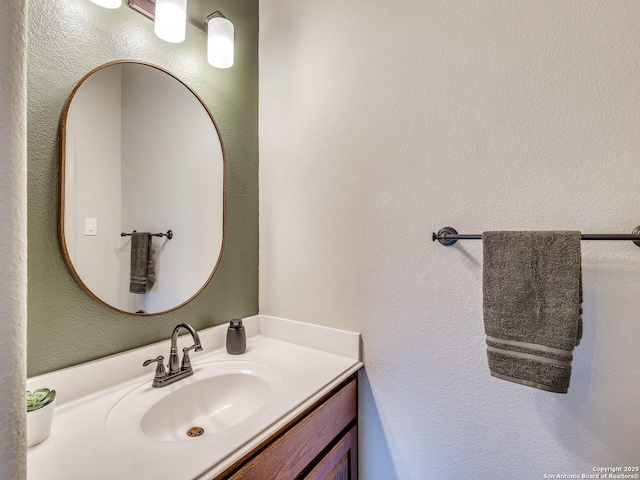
(170, 20)
(108, 3)
(220, 42)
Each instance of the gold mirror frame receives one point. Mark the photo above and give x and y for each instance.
(62, 180)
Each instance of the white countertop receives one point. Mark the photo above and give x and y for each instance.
(311, 360)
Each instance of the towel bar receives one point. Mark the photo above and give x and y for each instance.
(448, 236)
(169, 234)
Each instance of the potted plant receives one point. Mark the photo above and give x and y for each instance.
(40, 406)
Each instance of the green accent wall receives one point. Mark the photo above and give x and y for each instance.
(67, 39)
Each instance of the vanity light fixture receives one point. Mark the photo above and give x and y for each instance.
(108, 3)
(219, 30)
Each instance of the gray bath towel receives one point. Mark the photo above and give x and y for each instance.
(143, 274)
(532, 317)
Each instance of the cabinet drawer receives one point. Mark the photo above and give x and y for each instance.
(287, 456)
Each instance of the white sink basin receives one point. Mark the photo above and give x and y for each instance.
(218, 396)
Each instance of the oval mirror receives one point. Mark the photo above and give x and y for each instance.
(140, 154)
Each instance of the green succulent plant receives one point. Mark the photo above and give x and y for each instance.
(39, 398)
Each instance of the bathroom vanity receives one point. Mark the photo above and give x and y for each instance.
(287, 408)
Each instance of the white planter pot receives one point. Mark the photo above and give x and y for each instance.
(39, 424)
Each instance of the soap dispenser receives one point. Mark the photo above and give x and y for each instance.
(236, 337)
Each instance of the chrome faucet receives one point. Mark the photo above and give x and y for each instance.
(176, 372)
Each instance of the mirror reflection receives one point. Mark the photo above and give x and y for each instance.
(140, 153)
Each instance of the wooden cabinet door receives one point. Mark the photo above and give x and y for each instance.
(341, 462)
(288, 456)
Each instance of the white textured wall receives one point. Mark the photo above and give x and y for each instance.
(381, 122)
(13, 239)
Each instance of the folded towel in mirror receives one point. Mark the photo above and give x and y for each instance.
(143, 273)
(532, 294)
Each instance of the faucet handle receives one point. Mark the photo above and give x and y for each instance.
(160, 371)
(186, 361)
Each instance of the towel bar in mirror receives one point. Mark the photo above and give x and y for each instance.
(169, 234)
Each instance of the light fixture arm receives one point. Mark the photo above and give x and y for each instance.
(217, 28)
(216, 14)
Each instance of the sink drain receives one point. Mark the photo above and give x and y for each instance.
(195, 431)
